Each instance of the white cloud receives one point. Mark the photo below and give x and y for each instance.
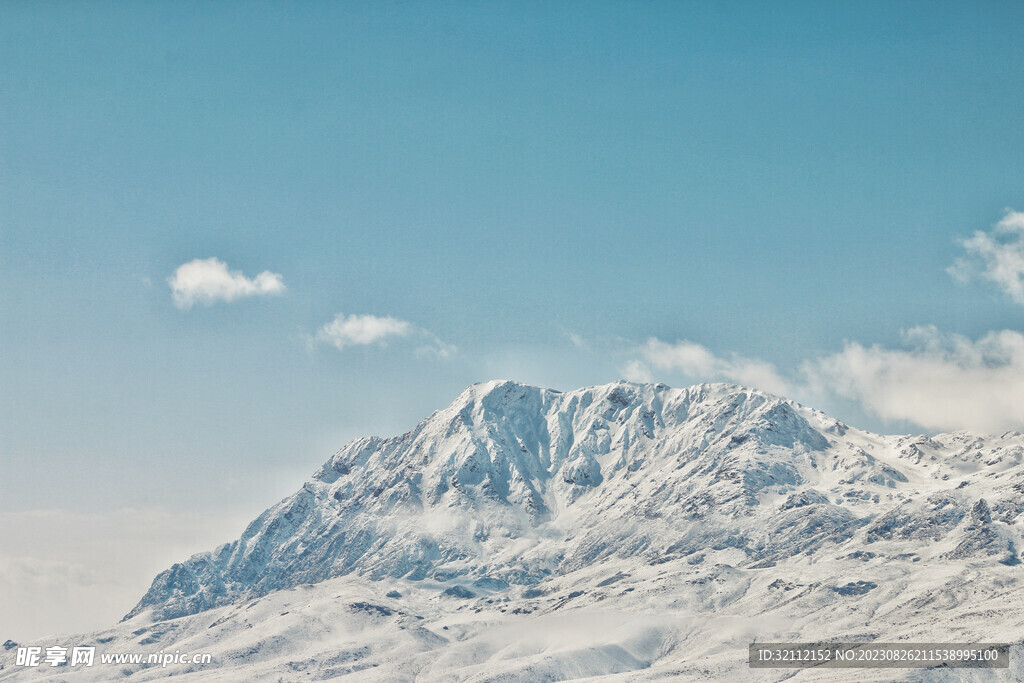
(938, 381)
(997, 256)
(206, 281)
(361, 330)
(434, 347)
(364, 330)
(577, 340)
(699, 363)
(941, 382)
(636, 371)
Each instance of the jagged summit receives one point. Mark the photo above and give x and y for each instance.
(513, 485)
(633, 529)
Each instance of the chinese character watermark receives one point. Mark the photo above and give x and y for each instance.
(55, 656)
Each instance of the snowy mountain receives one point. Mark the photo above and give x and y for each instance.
(620, 529)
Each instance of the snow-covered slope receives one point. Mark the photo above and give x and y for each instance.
(530, 533)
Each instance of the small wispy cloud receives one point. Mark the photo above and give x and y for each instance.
(577, 340)
(365, 330)
(636, 371)
(434, 347)
(361, 330)
(207, 281)
(996, 256)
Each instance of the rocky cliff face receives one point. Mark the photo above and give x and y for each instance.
(513, 486)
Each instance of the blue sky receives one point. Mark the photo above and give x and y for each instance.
(769, 193)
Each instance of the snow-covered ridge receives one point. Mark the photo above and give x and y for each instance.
(512, 486)
(622, 532)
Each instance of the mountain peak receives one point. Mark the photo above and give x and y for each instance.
(482, 490)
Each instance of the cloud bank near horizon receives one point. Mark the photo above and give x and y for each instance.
(95, 565)
(694, 360)
(939, 381)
